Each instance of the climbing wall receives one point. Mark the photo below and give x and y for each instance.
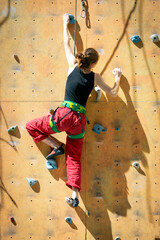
(120, 197)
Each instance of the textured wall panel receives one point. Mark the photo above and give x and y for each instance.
(116, 198)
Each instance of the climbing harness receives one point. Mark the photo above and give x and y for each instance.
(83, 13)
(72, 107)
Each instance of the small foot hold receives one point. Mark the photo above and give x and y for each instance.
(31, 181)
(55, 152)
(118, 238)
(155, 38)
(72, 202)
(12, 129)
(98, 128)
(68, 220)
(136, 165)
(51, 164)
(135, 39)
(12, 219)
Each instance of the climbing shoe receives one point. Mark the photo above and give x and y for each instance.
(55, 152)
(72, 202)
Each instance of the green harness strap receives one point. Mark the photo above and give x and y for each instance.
(53, 125)
(78, 136)
(75, 107)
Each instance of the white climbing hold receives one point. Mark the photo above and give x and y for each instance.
(99, 93)
(118, 238)
(155, 38)
(136, 165)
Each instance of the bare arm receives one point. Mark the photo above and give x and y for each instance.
(111, 91)
(69, 54)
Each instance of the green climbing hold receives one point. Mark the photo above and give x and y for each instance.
(12, 129)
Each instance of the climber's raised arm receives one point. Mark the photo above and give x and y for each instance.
(117, 72)
(69, 53)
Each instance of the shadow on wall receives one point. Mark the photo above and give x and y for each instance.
(107, 185)
(78, 36)
(8, 13)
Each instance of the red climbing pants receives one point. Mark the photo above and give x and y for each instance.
(40, 129)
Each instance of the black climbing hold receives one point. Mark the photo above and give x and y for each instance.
(17, 58)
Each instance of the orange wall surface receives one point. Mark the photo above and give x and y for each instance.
(116, 199)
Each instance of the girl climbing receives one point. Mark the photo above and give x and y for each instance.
(70, 116)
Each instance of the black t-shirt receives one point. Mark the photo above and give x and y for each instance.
(78, 87)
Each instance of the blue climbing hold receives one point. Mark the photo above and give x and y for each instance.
(68, 220)
(51, 164)
(71, 19)
(117, 129)
(135, 38)
(98, 128)
(31, 181)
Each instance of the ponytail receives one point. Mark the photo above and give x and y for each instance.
(87, 58)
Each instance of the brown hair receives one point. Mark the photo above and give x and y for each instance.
(88, 57)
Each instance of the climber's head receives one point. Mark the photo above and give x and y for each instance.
(87, 59)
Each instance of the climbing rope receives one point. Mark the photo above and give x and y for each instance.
(83, 15)
(75, 29)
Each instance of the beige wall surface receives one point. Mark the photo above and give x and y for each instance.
(116, 199)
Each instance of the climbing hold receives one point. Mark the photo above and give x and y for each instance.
(68, 220)
(98, 128)
(51, 111)
(117, 128)
(12, 219)
(118, 238)
(99, 93)
(16, 58)
(31, 181)
(12, 129)
(71, 19)
(51, 164)
(135, 38)
(136, 165)
(155, 38)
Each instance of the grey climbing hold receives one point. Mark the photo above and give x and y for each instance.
(68, 220)
(99, 93)
(31, 181)
(51, 164)
(71, 19)
(135, 38)
(136, 165)
(12, 129)
(155, 38)
(98, 128)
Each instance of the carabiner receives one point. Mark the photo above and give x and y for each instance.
(83, 13)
